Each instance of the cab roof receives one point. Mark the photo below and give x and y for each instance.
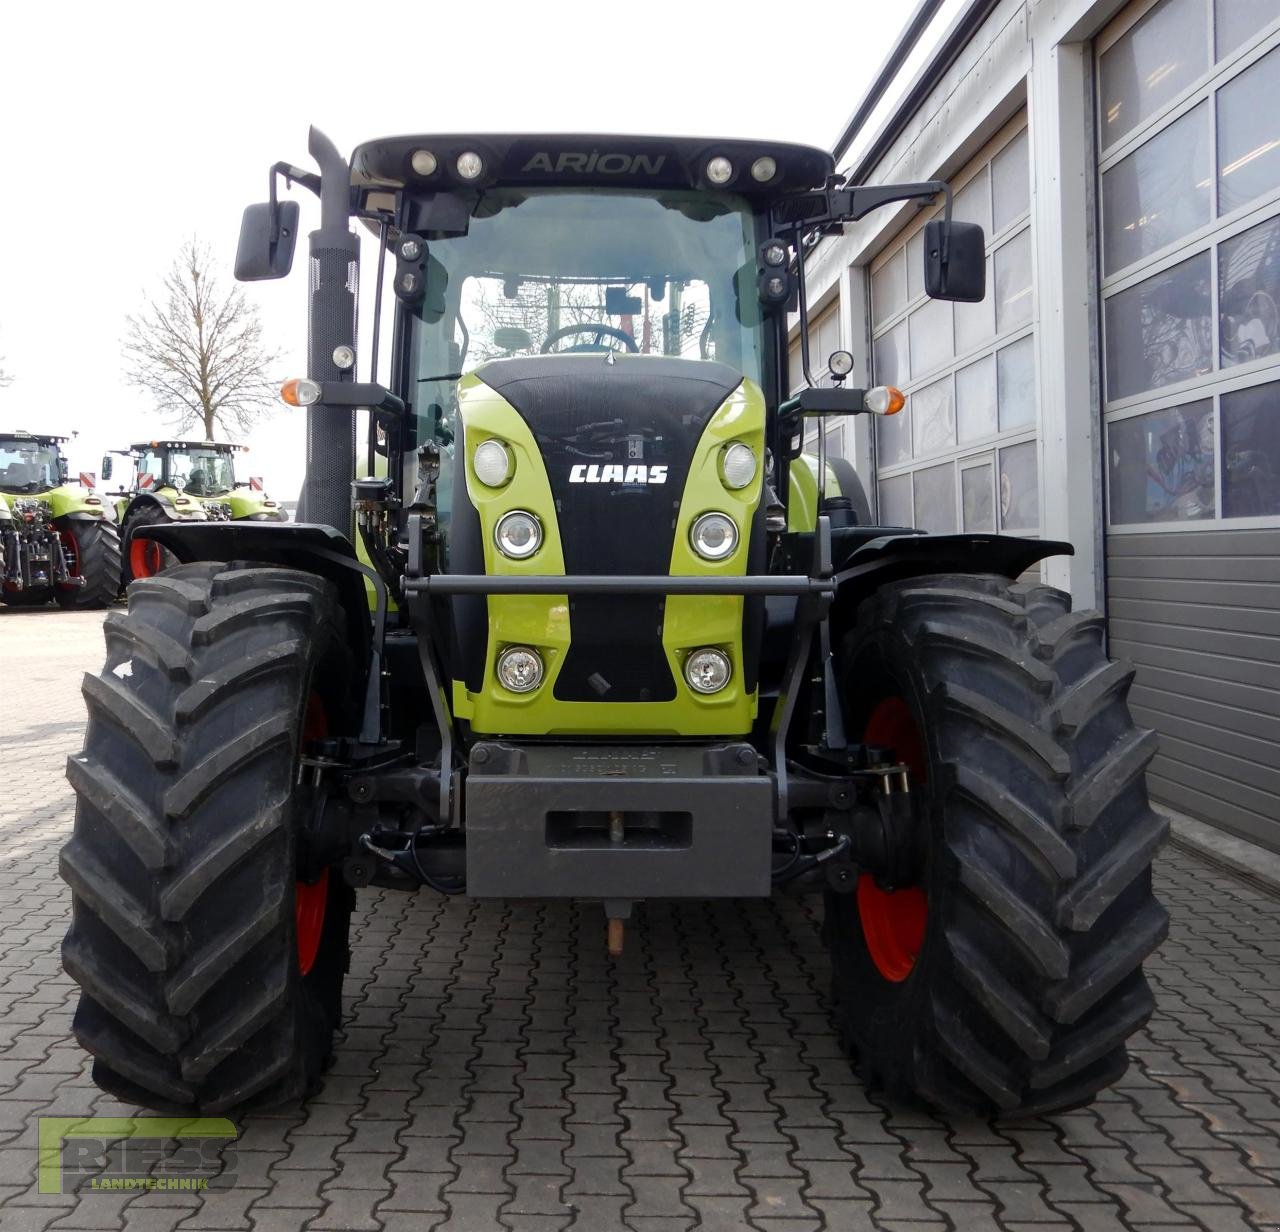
(581, 160)
(187, 445)
(39, 438)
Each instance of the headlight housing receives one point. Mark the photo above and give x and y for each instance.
(737, 465)
(707, 670)
(492, 463)
(714, 536)
(518, 534)
(520, 669)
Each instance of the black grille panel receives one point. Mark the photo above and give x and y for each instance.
(637, 410)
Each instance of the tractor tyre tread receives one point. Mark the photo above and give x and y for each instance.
(183, 856)
(1041, 911)
(99, 544)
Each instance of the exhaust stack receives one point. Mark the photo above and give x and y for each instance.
(334, 281)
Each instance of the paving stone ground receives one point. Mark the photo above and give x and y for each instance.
(499, 1072)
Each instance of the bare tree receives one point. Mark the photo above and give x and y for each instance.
(198, 350)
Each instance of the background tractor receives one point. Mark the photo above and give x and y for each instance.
(181, 481)
(624, 643)
(60, 542)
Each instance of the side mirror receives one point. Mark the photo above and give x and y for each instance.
(268, 233)
(962, 275)
(106, 467)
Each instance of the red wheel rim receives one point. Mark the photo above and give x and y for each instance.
(894, 921)
(71, 551)
(145, 558)
(311, 897)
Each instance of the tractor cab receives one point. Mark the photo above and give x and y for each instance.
(31, 464)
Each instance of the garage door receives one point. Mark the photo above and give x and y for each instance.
(1189, 192)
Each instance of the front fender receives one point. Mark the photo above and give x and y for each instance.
(294, 545)
(893, 557)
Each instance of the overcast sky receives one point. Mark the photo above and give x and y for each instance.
(127, 127)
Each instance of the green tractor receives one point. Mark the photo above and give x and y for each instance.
(625, 643)
(59, 540)
(181, 481)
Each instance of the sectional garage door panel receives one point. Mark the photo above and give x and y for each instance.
(1207, 654)
(1188, 146)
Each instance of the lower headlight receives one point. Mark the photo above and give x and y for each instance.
(707, 671)
(714, 536)
(520, 669)
(518, 534)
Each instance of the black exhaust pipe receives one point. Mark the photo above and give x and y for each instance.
(335, 280)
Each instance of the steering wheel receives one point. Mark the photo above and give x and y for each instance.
(600, 331)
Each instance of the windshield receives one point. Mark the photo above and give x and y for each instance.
(201, 472)
(586, 270)
(27, 466)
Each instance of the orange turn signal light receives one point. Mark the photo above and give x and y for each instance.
(298, 391)
(884, 400)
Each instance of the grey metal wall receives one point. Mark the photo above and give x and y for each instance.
(1199, 615)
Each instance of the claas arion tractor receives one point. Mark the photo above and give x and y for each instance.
(579, 621)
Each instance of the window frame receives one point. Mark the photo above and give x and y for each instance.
(1207, 238)
(962, 456)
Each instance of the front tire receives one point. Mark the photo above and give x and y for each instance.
(143, 558)
(206, 983)
(1008, 978)
(93, 549)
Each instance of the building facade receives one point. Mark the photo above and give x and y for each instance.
(1120, 385)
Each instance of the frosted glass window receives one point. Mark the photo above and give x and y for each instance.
(1019, 488)
(931, 340)
(1160, 465)
(1239, 20)
(1160, 331)
(1249, 295)
(935, 499)
(915, 266)
(1013, 283)
(977, 498)
(1011, 182)
(973, 202)
(933, 417)
(1152, 63)
(1159, 193)
(889, 353)
(1251, 452)
(1249, 134)
(976, 400)
(893, 437)
(895, 501)
(888, 289)
(976, 323)
(1016, 381)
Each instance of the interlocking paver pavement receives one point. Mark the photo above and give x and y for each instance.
(499, 1072)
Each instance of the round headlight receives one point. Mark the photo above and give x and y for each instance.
(518, 534)
(520, 669)
(714, 536)
(492, 463)
(764, 169)
(423, 162)
(344, 357)
(737, 465)
(840, 363)
(470, 165)
(775, 253)
(719, 170)
(707, 671)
